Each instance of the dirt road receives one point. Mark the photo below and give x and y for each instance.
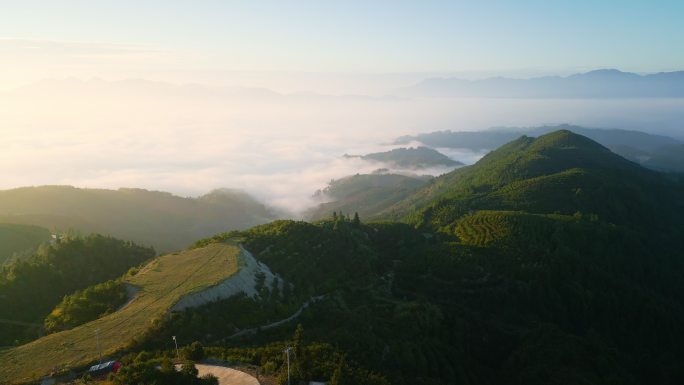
(226, 376)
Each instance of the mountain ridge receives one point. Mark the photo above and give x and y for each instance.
(161, 219)
(557, 172)
(602, 83)
(636, 146)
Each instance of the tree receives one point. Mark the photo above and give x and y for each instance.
(297, 340)
(357, 221)
(194, 352)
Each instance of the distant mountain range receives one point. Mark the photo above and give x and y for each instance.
(604, 83)
(657, 152)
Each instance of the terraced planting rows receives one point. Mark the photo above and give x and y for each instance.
(483, 228)
(162, 283)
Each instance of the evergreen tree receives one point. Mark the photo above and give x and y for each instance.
(297, 340)
(357, 221)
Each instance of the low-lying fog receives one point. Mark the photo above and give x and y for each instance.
(278, 147)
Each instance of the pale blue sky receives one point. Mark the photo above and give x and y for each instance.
(353, 36)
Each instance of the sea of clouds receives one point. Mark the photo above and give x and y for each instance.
(280, 148)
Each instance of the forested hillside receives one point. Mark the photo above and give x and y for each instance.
(20, 240)
(561, 173)
(550, 261)
(637, 146)
(366, 194)
(152, 218)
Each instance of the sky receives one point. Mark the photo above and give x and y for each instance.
(266, 96)
(474, 38)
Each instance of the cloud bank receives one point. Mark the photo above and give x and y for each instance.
(281, 148)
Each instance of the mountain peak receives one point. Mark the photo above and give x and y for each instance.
(606, 72)
(563, 139)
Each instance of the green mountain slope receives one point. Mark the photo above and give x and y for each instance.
(366, 194)
(552, 260)
(560, 173)
(162, 220)
(510, 297)
(633, 145)
(20, 239)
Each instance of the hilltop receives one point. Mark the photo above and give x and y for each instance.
(410, 158)
(159, 219)
(560, 172)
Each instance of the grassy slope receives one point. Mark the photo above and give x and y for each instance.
(16, 238)
(161, 283)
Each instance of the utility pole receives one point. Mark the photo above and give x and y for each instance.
(97, 342)
(287, 351)
(176, 343)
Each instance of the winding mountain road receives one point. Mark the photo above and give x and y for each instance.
(276, 323)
